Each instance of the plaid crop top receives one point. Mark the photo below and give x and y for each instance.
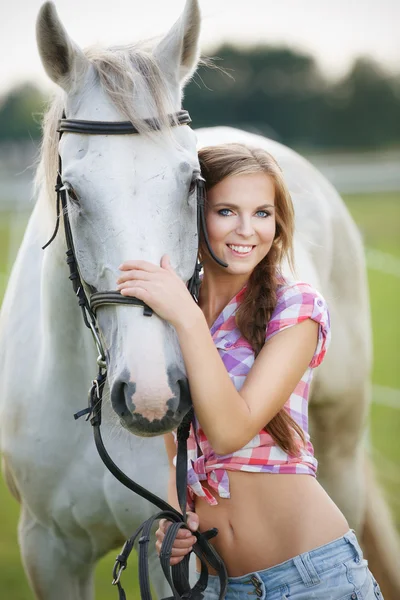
(295, 303)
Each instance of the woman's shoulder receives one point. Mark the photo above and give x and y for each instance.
(295, 302)
(293, 288)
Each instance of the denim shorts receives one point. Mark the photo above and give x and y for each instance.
(335, 571)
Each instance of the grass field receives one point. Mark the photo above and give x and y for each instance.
(378, 217)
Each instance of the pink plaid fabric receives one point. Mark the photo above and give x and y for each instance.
(295, 303)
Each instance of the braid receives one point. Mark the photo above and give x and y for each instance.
(252, 318)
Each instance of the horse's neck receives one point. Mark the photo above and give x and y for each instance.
(67, 337)
(40, 296)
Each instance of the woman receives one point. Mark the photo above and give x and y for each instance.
(252, 469)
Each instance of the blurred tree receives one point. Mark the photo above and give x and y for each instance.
(282, 93)
(21, 113)
(363, 108)
(275, 91)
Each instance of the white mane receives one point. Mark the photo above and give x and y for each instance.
(120, 70)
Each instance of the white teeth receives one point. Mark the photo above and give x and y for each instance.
(242, 249)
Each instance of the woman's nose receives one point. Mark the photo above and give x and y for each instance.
(245, 227)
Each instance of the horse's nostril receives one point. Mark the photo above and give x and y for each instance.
(121, 397)
(116, 398)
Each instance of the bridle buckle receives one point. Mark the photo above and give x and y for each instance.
(118, 569)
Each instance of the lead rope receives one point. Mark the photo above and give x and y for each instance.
(177, 575)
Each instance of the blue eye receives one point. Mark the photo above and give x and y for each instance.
(223, 212)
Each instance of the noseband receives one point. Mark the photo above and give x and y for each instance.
(177, 575)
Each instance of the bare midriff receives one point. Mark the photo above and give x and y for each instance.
(268, 519)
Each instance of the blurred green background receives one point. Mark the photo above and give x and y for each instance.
(349, 128)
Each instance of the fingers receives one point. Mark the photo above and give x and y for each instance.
(130, 284)
(164, 524)
(183, 543)
(180, 543)
(192, 521)
(165, 263)
(142, 265)
(136, 292)
(176, 551)
(183, 539)
(134, 274)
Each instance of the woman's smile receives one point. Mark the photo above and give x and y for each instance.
(240, 250)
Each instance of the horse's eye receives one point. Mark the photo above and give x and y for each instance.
(192, 185)
(72, 194)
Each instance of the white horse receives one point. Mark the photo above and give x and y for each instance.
(129, 197)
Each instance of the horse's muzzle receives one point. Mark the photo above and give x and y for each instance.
(154, 419)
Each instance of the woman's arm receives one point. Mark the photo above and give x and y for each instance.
(231, 419)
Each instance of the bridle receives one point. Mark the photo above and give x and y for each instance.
(177, 575)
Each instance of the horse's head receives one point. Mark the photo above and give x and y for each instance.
(130, 197)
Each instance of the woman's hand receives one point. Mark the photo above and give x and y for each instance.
(160, 288)
(184, 540)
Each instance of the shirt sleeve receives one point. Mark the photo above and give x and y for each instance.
(295, 304)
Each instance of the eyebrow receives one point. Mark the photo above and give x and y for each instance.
(229, 205)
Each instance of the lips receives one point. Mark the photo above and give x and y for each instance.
(241, 246)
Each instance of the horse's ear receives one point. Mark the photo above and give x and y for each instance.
(62, 59)
(179, 51)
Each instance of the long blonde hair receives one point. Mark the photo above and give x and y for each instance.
(253, 314)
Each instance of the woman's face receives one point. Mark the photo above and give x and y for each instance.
(240, 219)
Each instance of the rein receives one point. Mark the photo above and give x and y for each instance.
(177, 575)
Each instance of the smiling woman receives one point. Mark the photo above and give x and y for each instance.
(250, 378)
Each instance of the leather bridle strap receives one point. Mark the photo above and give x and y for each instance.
(182, 117)
(103, 298)
(178, 575)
